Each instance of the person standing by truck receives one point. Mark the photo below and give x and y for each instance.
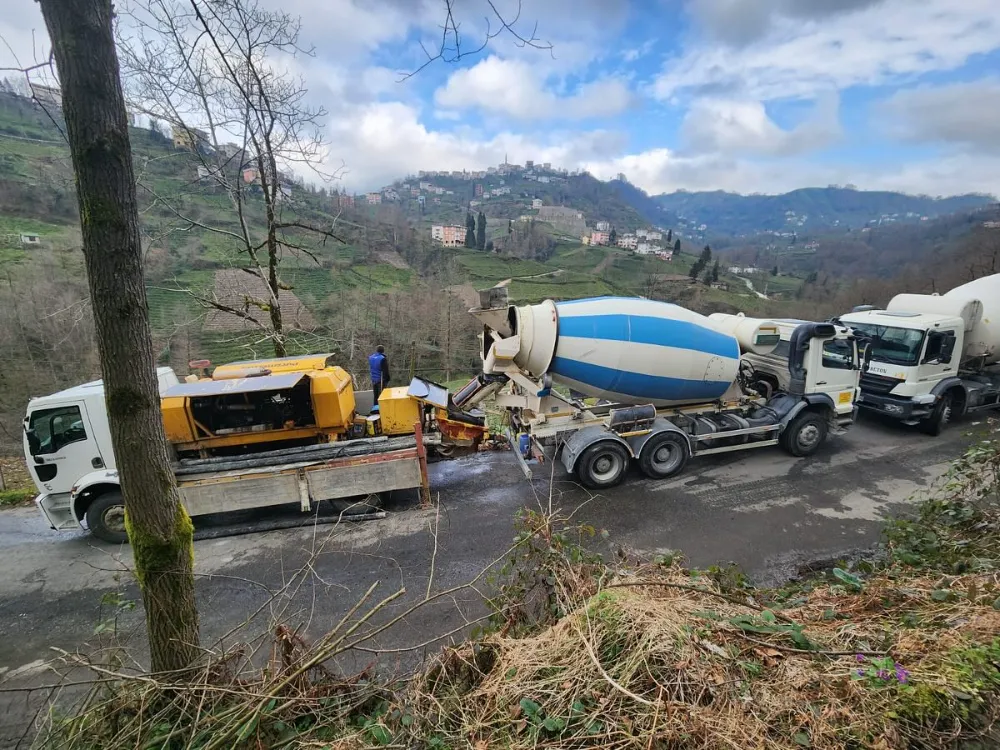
(378, 368)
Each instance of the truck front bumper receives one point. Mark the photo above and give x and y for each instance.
(893, 406)
(58, 511)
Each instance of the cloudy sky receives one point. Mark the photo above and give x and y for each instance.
(741, 95)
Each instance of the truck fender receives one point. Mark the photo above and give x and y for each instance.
(813, 400)
(90, 486)
(660, 424)
(580, 440)
(948, 384)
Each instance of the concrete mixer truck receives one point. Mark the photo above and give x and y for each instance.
(668, 384)
(933, 357)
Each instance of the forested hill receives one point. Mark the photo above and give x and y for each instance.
(803, 211)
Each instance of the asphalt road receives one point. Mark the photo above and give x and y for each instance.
(762, 509)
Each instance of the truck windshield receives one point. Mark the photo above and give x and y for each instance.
(49, 430)
(898, 346)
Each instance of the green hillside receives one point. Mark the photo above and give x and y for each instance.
(386, 282)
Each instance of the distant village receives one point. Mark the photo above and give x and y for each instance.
(649, 241)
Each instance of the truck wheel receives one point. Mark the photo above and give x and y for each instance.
(106, 518)
(936, 423)
(664, 455)
(602, 465)
(805, 434)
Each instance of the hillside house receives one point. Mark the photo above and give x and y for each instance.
(544, 179)
(190, 139)
(30, 239)
(600, 238)
(449, 235)
(628, 241)
(373, 199)
(206, 175)
(231, 151)
(744, 269)
(647, 248)
(603, 226)
(536, 203)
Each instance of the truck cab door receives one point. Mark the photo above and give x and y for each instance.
(836, 373)
(60, 446)
(937, 361)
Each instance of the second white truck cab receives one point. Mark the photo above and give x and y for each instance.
(931, 356)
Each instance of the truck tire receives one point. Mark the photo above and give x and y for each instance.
(804, 434)
(664, 455)
(936, 423)
(106, 518)
(602, 465)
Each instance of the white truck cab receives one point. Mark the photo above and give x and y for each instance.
(913, 372)
(67, 442)
(834, 372)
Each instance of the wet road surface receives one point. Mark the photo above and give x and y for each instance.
(763, 510)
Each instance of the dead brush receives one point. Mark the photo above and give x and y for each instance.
(661, 661)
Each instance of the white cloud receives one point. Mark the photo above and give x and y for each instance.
(731, 126)
(878, 44)
(383, 141)
(958, 114)
(514, 88)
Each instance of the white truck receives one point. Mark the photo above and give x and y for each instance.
(669, 384)
(933, 357)
(67, 444)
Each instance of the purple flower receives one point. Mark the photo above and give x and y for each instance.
(883, 674)
(859, 657)
(861, 673)
(901, 674)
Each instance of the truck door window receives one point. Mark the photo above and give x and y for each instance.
(838, 354)
(940, 345)
(50, 430)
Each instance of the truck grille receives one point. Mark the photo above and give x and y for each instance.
(878, 383)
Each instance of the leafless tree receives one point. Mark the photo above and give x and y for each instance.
(213, 71)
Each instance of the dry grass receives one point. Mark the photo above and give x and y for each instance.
(666, 662)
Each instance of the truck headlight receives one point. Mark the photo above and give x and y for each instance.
(924, 398)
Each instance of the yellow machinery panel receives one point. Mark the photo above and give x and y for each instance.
(304, 363)
(332, 398)
(398, 412)
(176, 422)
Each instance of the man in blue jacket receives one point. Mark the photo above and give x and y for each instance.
(378, 368)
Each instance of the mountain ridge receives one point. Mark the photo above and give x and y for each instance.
(801, 210)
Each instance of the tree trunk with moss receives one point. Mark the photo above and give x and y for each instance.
(97, 129)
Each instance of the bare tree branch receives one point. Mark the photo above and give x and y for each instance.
(450, 49)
